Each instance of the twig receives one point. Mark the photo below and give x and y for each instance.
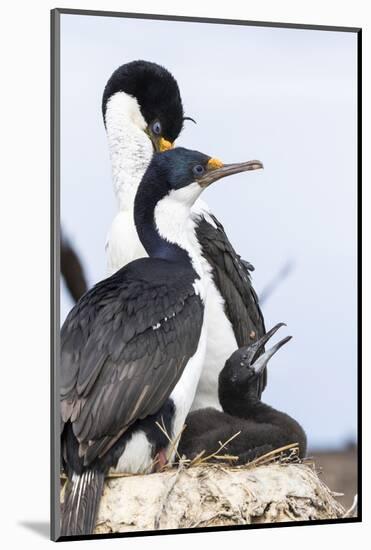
(272, 455)
(197, 457)
(222, 445)
(172, 441)
(166, 495)
(276, 281)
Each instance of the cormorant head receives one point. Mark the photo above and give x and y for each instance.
(151, 96)
(241, 377)
(184, 174)
(169, 187)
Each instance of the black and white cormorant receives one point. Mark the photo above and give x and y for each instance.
(143, 111)
(262, 428)
(132, 348)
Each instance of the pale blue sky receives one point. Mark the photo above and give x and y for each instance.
(284, 96)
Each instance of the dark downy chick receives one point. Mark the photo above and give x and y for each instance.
(262, 428)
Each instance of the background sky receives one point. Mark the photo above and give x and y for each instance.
(286, 97)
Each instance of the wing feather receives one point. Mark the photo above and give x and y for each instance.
(232, 278)
(124, 348)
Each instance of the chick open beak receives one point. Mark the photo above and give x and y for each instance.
(261, 362)
(217, 170)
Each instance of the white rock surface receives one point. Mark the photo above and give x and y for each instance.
(215, 495)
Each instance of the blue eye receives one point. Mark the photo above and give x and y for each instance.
(198, 170)
(156, 128)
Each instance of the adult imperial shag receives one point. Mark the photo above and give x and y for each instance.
(260, 428)
(133, 347)
(143, 112)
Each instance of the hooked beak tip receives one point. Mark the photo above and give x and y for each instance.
(218, 170)
(262, 361)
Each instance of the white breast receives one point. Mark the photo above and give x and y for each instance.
(185, 390)
(123, 245)
(221, 343)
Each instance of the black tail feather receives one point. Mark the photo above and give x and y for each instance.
(81, 503)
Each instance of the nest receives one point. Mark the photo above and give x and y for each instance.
(211, 490)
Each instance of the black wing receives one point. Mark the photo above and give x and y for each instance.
(124, 348)
(231, 275)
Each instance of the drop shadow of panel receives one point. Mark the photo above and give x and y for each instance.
(41, 528)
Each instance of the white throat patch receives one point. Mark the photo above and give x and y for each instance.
(175, 224)
(130, 147)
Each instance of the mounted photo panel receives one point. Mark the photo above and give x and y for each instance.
(205, 274)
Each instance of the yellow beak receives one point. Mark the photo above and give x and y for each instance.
(214, 163)
(164, 145)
